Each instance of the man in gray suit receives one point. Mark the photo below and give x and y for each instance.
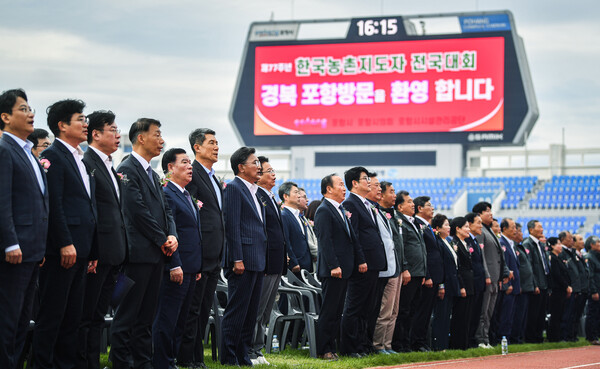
(497, 269)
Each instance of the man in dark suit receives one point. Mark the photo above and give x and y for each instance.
(512, 289)
(526, 284)
(416, 257)
(481, 277)
(151, 236)
(245, 256)
(183, 270)
(433, 289)
(276, 259)
(536, 314)
(360, 297)
(204, 187)
(296, 230)
(338, 255)
(71, 250)
(103, 139)
(497, 271)
(571, 259)
(23, 223)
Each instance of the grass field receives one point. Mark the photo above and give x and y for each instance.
(299, 359)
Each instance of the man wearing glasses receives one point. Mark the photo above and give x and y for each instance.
(23, 224)
(244, 260)
(71, 250)
(40, 140)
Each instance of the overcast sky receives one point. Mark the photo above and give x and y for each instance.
(178, 60)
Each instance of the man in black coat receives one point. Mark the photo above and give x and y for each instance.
(481, 277)
(23, 223)
(536, 314)
(415, 254)
(103, 139)
(207, 188)
(571, 260)
(526, 282)
(360, 299)
(71, 249)
(276, 259)
(151, 236)
(338, 256)
(433, 289)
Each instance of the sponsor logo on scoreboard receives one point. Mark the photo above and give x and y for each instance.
(274, 32)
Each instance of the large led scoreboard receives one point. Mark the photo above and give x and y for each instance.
(452, 78)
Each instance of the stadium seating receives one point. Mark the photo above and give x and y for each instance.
(569, 192)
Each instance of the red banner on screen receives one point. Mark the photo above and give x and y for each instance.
(380, 87)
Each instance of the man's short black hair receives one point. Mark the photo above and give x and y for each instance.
(400, 195)
(285, 189)
(327, 181)
(139, 126)
(480, 207)
(37, 135)
(353, 174)
(239, 157)
(170, 157)
(372, 174)
(97, 120)
(470, 217)
(518, 225)
(420, 201)
(457, 222)
(198, 136)
(62, 111)
(263, 159)
(8, 99)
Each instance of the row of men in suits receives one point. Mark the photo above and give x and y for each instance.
(75, 221)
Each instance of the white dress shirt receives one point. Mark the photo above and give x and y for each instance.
(78, 156)
(211, 173)
(108, 163)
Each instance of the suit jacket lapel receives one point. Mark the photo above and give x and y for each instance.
(345, 224)
(361, 208)
(104, 172)
(144, 174)
(287, 211)
(207, 180)
(21, 154)
(171, 187)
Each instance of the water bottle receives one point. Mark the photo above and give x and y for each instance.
(275, 344)
(504, 346)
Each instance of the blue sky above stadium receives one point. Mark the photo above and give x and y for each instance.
(178, 60)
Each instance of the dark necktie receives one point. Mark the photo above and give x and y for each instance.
(189, 198)
(150, 175)
(345, 218)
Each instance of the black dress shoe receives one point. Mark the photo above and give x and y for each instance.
(423, 349)
(354, 355)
